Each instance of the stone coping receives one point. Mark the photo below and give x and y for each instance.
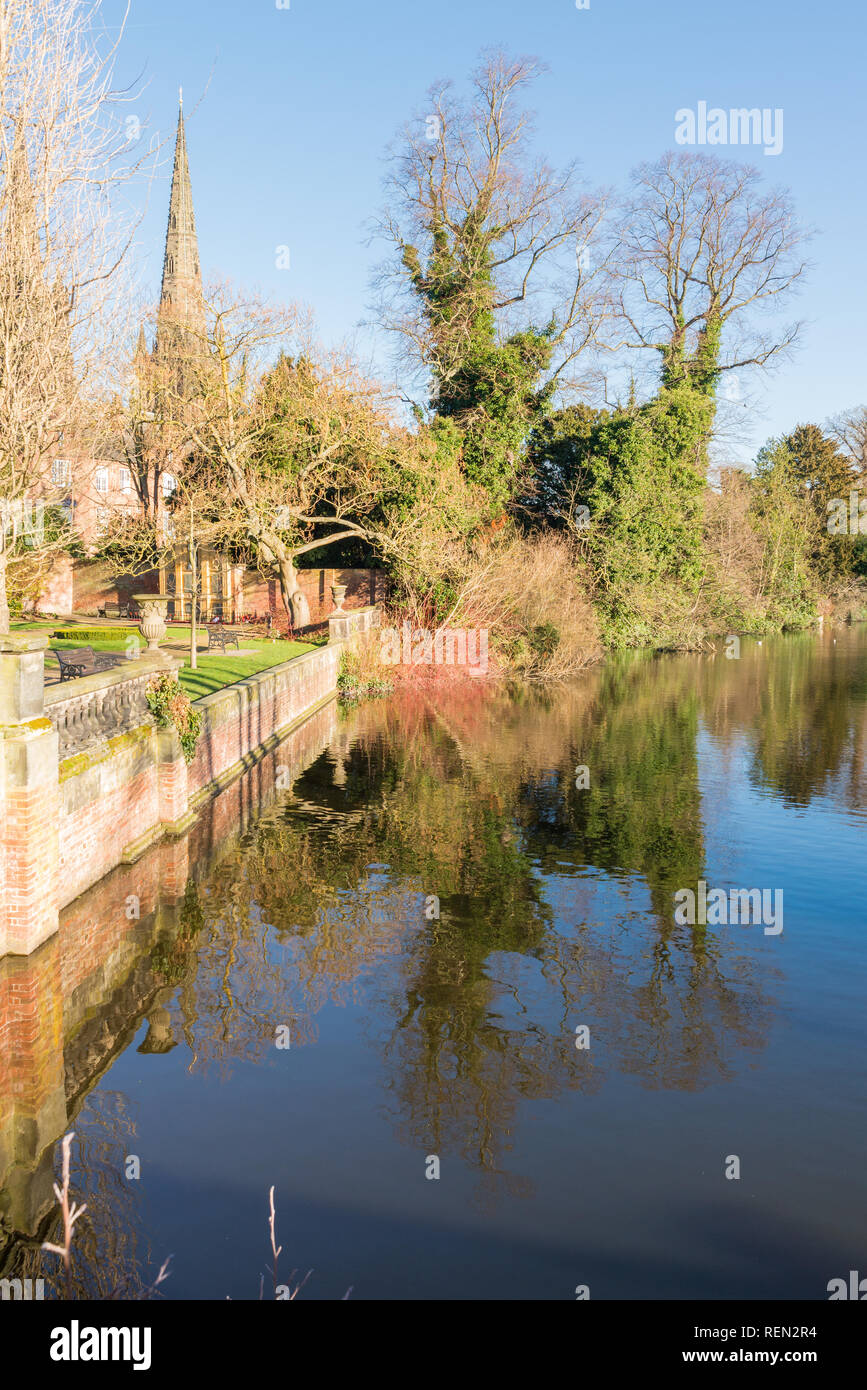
(13, 643)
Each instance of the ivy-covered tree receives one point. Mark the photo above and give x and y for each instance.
(557, 451)
(643, 487)
(704, 258)
(491, 287)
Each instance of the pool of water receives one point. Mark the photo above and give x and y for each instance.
(376, 959)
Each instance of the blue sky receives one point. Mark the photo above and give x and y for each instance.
(303, 101)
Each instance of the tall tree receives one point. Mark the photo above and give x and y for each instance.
(302, 452)
(818, 470)
(493, 288)
(703, 257)
(850, 432)
(62, 158)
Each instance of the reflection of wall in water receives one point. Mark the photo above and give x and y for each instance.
(71, 1007)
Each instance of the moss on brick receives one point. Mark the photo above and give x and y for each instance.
(82, 762)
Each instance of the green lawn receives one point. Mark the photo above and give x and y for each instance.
(212, 673)
(224, 668)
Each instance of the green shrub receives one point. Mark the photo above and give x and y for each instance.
(171, 705)
(544, 639)
(356, 681)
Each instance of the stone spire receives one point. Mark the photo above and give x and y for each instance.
(181, 297)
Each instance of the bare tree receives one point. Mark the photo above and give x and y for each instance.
(278, 448)
(63, 154)
(297, 452)
(703, 256)
(151, 421)
(850, 430)
(141, 428)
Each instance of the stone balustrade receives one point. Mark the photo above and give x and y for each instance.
(98, 707)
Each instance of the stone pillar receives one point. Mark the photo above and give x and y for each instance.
(32, 1093)
(172, 784)
(348, 627)
(29, 798)
(174, 796)
(175, 868)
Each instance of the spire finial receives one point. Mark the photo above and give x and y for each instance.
(180, 96)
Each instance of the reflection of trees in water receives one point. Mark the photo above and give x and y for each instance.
(556, 903)
(300, 915)
(475, 802)
(803, 703)
(111, 1255)
(669, 1005)
(103, 1017)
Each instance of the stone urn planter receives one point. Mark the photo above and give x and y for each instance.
(152, 623)
(338, 593)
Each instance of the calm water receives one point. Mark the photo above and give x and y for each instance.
(308, 906)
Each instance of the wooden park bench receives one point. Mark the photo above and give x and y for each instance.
(82, 661)
(220, 637)
(117, 610)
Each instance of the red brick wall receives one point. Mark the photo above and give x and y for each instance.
(47, 998)
(94, 585)
(103, 810)
(31, 1013)
(85, 586)
(57, 595)
(113, 799)
(363, 587)
(28, 836)
(240, 718)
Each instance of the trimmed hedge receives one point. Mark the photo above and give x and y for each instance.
(95, 634)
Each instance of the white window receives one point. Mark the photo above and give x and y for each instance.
(169, 485)
(125, 479)
(60, 470)
(100, 480)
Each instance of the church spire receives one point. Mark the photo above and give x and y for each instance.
(181, 297)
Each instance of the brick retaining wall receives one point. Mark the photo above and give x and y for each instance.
(67, 1007)
(111, 799)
